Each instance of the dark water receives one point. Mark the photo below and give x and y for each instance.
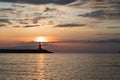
(60, 66)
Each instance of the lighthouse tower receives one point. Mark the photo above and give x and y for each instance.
(40, 46)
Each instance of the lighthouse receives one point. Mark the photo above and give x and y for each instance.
(40, 46)
(40, 40)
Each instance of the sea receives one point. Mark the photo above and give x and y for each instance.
(60, 66)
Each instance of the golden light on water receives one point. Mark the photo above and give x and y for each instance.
(41, 39)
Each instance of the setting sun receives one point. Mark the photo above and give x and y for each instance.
(40, 39)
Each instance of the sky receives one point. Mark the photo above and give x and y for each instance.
(68, 25)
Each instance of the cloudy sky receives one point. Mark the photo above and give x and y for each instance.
(69, 25)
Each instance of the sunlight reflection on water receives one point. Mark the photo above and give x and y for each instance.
(59, 66)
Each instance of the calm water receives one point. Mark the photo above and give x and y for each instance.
(59, 66)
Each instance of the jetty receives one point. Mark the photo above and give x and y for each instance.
(39, 50)
(24, 51)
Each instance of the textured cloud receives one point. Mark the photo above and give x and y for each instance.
(103, 14)
(49, 9)
(104, 9)
(22, 22)
(5, 21)
(2, 25)
(25, 26)
(70, 25)
(41, 1)
(20, 16)
(33, 20)
(6, 9)
(41, 17)
(96, 3)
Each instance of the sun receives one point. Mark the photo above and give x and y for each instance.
(40, 39)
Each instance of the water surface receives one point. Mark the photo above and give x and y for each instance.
(60, 66)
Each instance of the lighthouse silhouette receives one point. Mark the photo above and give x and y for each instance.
(40, 46)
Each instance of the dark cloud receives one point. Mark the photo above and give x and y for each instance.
(109, 9)
(70, 25)
(100, 3)
(49, 9)
(114, 27)
(33, 20)
(84, 41)
(97, 22)
(41, 1)
(108, 41)
(103, 14)
(109, 34)
(36, 19)
(6, 9)
(5, 21)
(27, 26)
(92, 41)
(23, 22)
(2, 25)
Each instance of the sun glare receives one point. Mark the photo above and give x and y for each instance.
(41, 39)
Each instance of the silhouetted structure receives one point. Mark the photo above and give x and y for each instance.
(40, 45)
